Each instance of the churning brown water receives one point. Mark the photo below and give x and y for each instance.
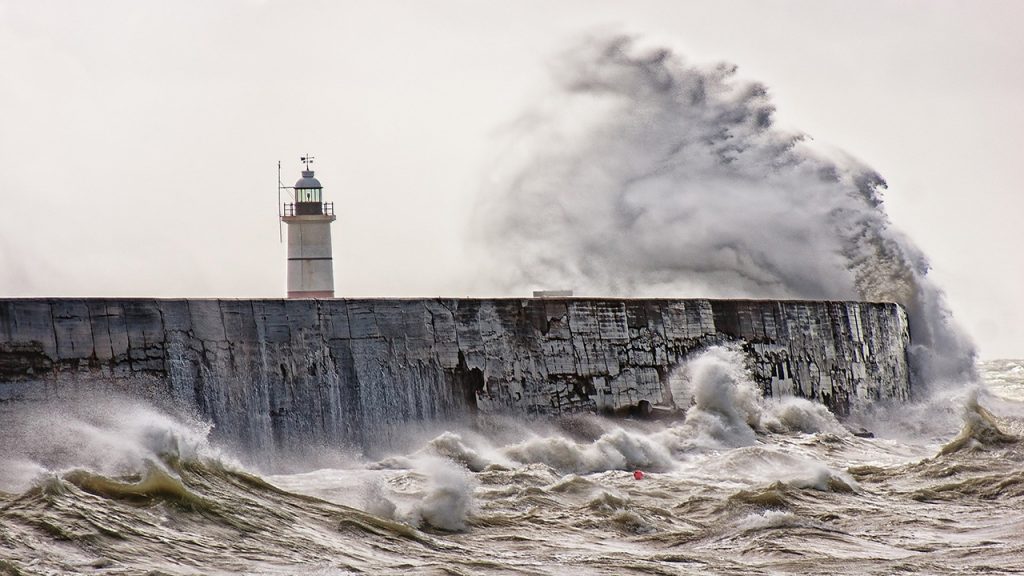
(739, 486)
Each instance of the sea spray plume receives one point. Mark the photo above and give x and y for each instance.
(725, 408)
(644, 174)
(445, 500)
(724, 403)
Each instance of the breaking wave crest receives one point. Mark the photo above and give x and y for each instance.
(980, 430)
(156, 484)
(108, 436)
(618, 449)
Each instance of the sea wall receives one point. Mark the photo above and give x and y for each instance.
(277, 374)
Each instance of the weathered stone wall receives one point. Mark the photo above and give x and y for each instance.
(274, 374)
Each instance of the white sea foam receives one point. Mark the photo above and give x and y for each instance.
(769, 519)
(765, 464)
(792, 414)
(617, 449)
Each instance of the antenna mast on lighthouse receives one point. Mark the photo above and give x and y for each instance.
(280, 213)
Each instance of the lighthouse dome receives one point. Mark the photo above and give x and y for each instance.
(307, 180)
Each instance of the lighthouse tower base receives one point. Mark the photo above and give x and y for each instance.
(310, 264)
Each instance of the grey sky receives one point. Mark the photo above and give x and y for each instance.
(139, 140)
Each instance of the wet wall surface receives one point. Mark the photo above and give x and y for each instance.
(277, 373)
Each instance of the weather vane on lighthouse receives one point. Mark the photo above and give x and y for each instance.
(309, 218)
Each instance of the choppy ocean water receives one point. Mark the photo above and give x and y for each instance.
(739, 485)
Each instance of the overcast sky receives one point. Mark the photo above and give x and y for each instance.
(139, 140)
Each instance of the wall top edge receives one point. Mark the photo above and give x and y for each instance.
(450, 299)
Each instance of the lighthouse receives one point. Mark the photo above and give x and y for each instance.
(309, 218)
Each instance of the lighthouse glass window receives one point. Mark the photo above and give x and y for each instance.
(309, 194)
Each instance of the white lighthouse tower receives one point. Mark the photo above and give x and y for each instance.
(310, 268)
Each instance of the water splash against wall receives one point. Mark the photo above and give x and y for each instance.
(643, 174)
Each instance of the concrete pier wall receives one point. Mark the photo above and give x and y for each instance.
(273, 374)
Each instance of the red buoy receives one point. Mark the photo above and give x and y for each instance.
(639, 475)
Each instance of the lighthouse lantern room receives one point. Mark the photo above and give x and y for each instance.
(309, 218)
